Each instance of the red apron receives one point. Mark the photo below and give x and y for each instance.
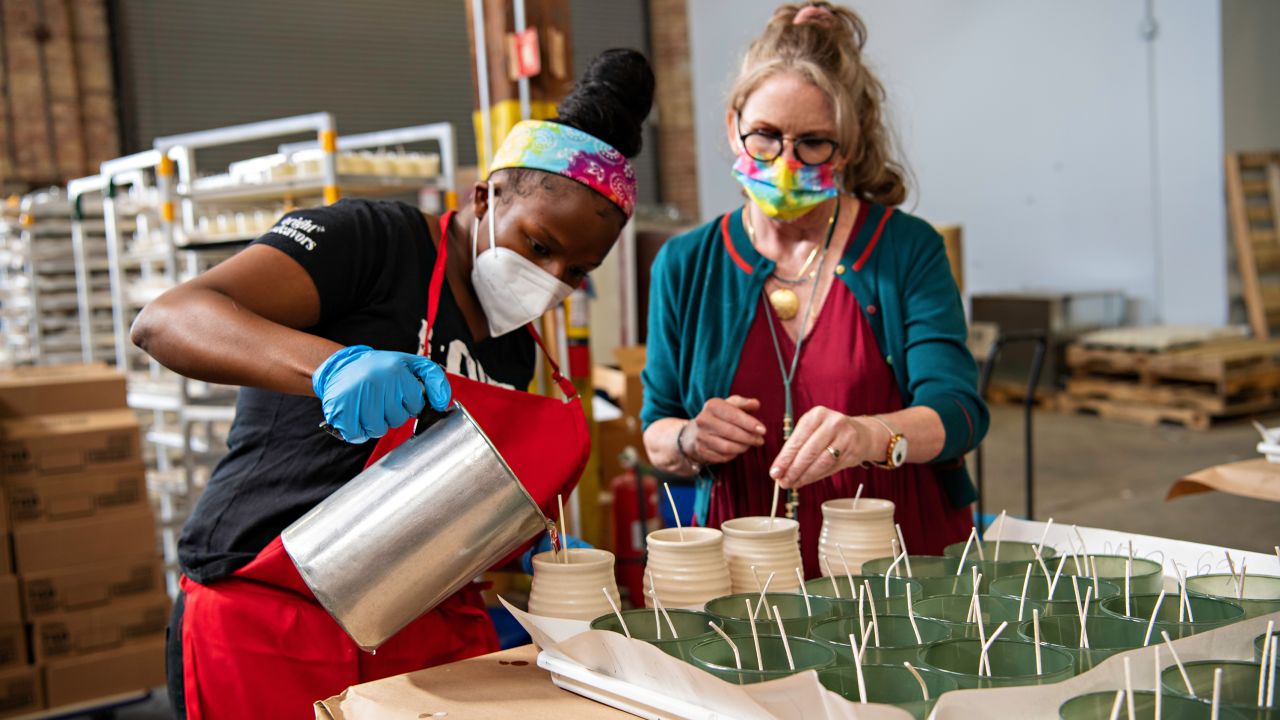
(257, 644)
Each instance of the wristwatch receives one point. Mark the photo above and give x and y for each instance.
(896, 453)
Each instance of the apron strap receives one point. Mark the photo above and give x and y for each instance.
(433, 305)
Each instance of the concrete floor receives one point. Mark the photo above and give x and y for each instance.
(1102, 473)
(1096, 473)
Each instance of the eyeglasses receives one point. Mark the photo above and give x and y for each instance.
(766, 147)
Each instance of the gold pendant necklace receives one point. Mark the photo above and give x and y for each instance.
(784, 300)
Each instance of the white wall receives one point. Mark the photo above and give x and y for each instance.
(1077, 155)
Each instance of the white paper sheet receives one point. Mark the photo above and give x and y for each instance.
(799, 697)
(1193, 558)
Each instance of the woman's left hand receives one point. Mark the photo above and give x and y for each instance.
(823, 443)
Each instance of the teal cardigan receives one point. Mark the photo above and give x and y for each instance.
(703, 297)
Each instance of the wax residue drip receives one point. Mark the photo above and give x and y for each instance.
(554, 532)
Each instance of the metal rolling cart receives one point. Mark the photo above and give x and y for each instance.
(167, 222)
(43, 313)
(92, 270)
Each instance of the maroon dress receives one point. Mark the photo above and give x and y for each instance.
(841, 368)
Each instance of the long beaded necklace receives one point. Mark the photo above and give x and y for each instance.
(788, 375)
(784, 300)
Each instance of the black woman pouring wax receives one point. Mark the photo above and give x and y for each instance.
(322, 320)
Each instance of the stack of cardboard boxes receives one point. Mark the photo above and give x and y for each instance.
(84, 618)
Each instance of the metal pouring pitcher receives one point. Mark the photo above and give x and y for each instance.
(412, 529)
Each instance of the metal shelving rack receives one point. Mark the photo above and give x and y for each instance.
(166, 223)
(44, 317)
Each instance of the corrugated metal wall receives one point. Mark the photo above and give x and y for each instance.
(187, 65)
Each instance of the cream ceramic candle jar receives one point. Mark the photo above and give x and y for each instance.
(572, 589)
(862, 533)
(772, 545)
(688, 567)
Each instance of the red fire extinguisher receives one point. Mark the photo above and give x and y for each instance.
(635, 515)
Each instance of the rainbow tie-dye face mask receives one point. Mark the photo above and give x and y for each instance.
(785, 189)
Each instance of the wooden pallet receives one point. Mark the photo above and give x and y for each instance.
(1155, 415)
(1229, 367)
(1253, 212)
(1013, 393)
(1174, 395)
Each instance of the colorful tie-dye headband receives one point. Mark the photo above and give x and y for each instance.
(560, 149)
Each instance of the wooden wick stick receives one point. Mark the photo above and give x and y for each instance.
(1035, 624)
(564, 533)
(1182, 670)
(902, 543)
(967, 543)
(857, 496)
(616, 611)
(1000, 536)
(1044, 534)
(871, 599)
(857, 669)
(674, 511)
(1115, 706)
(1146, 639)
(1022, 600)
(782, 631)
(1217, 694)
(924, 689)
(911, 615)
(808, 610)
(986, 647)
(755, 639)
(1128, 687)
(737, 658)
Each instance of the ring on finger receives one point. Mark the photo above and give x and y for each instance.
(835, 453)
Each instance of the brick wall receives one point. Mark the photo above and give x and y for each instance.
(677, 162)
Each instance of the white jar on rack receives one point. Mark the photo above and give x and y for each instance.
(862, 533)
(772, 545)
(571, 589)
(688, 566)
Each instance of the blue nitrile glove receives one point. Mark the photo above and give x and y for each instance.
(366, 392)
(544, 545)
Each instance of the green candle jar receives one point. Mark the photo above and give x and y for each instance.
(953, 611)
(897, 639)
(935, 573)
(1107, 636)
(1012, 663)
(1097, 706)
(1209, 613)
(1010, 551)
(716, 657)
(691, 629)
(1147, 576)
(1261, 594)
(731, 613)
(1064, 595)
(894, 601)
(1239, 682)
(891, 684)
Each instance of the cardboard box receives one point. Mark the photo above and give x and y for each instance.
(622, 383)
(20, 691)
(91, 586)
(65, 497)
(10, 600)
(6, 552)
(49, 445)
(105, 628)
(13, 646)
(612, 438)
(55, 389)
(99, 539)
(133, 667)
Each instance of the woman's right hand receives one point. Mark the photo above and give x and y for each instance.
(723, 430)
(365, 392)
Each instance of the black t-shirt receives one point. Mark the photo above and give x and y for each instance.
(371, 262)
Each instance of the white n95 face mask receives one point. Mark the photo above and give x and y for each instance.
(513, 290)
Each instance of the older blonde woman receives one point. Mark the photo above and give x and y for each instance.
(814, 337)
